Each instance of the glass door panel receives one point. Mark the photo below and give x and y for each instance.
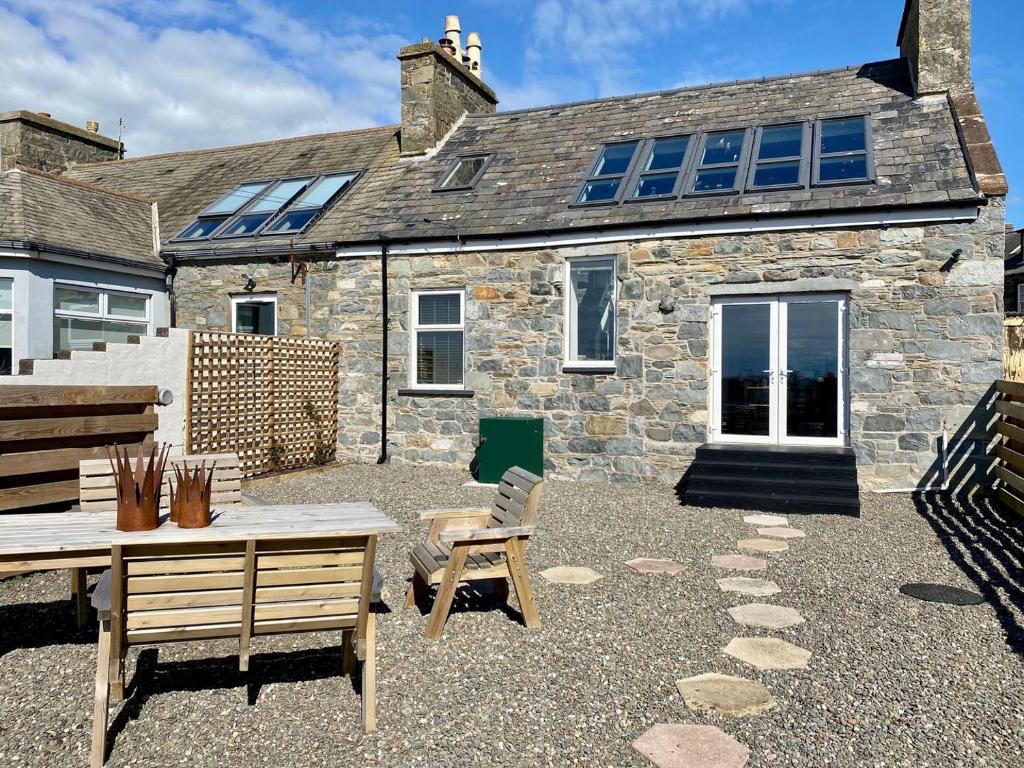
(746, 362)
(811, 369)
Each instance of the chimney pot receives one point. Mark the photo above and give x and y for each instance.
(92, 126)
(44, 114)
(453, 31)
(473, 48)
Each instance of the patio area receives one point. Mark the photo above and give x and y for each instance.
(890, 680)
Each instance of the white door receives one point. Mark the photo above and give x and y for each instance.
(779, 370)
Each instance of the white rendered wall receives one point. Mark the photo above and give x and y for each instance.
(155, 360)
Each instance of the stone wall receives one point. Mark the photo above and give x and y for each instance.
(49, 145)
(436, 92)
(936, 40)
(925, 345)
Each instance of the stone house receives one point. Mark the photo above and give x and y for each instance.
(79, 263)
(806, 267)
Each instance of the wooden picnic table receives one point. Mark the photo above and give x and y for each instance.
(79, 540)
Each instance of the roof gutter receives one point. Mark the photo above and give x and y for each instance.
(208, 254)
(967, 210)
(60, 250)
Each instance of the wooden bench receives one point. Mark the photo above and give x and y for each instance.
(97, 493)
(466, 545)
(165, 593)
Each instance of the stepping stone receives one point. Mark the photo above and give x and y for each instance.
(768, 653)
(739, 562)
(781, 533)
(765, 615)
(651, 565)
(767, 520)
(762, 545)
(568, 574)
(748, 586)
(725, 695)
(691, 746)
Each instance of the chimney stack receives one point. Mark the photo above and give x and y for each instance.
(36, 140)
(440, 83)
(935, 37)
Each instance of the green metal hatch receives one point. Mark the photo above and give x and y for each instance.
(510, 442)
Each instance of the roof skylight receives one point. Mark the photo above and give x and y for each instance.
(277, 206)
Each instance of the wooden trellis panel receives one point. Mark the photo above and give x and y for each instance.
(1013, 350)
(273, 400)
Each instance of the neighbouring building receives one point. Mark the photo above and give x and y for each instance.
(79, 263)
(807, 266)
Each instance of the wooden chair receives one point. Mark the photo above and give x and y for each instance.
(161, 593)
(96, 493)
(466, 545)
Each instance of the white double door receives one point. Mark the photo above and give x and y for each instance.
(779, 370)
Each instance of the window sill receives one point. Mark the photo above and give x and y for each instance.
(584, 368)
(410, 392)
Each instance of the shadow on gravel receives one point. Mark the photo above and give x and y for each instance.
(208, 674)
(986, 542)
(36, 625)
(474, 597)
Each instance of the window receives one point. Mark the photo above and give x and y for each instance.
(254, 313)
(311, 202)
(843, 153)
(780, 157)
(438, 339)
(83, 316)
(590, 313)
(6, 326)
(661, 170)
(279, 207)
(218, 212)
(464, 173)
(718, 169)
(1020, 301)
(608, 173)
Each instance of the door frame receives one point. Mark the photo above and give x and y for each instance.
(777, 356)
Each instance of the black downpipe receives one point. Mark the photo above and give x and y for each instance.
(382, 459)
(172, 270)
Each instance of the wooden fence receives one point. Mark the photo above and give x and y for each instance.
(1010, 444)
(273, 400)
(46, 430)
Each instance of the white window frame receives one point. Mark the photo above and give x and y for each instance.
(252, 298)
(570, 317)
(9, 315)
(104, 315)
(415, 327)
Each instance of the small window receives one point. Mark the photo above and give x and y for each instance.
(662, 168)
(254, 313)
(718, 169)
(608, 173)
(591, 313)
(83, 316)
(438, 339)
(1020, 299)
(6, 326)
(317, 195)
(843, 151)
(464, 173)
(780, 157)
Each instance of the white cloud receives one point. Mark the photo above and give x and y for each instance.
(192, 73)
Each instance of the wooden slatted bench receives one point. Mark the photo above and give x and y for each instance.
(466, 545)
(288, 573)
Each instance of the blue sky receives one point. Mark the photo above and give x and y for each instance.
(196, 73)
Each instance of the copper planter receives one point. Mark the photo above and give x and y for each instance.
(190, 496)
(138, 488)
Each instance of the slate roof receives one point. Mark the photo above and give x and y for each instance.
(542, 155)
(79, 219)
(184, 183)
(1014, 257)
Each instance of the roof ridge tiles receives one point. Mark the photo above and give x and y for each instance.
(82, 184)
(391, 128)
(685, 89)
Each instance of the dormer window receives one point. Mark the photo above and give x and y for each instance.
(277, 206)
(464, 173)
(608, 172)
(843, 154)
(721, 155)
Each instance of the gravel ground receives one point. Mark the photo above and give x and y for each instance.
(892, 682)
